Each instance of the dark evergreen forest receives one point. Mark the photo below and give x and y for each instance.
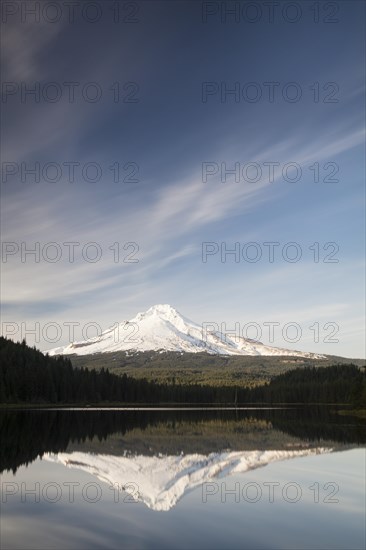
(29, 376)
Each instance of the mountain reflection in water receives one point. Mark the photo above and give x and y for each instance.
(167, 453)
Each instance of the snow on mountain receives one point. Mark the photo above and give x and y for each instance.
(162, 328)
(161, 481)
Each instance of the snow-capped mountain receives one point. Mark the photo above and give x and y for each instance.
(162, 328)
(161, 481)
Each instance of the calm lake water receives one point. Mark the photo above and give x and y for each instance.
(212, 479)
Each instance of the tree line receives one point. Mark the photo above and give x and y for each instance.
(29, 376)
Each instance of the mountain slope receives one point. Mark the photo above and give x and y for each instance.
(162, 328)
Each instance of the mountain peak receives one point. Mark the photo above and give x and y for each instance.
(162, 309)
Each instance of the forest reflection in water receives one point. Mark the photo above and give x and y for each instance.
(29, 434)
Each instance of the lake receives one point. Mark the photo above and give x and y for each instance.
(255, 478)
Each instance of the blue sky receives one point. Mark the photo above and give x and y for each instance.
(163, 60)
